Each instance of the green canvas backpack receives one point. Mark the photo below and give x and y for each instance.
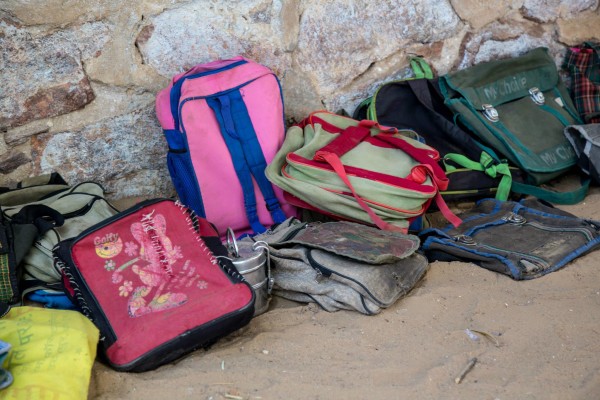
(359, 171)
(519, 107)
(81, 206)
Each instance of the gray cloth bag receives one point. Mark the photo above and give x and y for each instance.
(585, 139)
(342, 265)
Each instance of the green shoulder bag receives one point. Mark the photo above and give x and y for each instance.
(519, 107)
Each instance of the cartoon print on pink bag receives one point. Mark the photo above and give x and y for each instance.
(108, 246)
(156, 282)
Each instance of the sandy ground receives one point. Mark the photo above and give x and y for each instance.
(543, 344)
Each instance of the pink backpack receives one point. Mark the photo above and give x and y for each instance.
(224, 122)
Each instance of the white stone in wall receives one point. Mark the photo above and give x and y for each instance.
(550, 10)
(43, 75)
(510, 39)
(340, 39)
(203, 31)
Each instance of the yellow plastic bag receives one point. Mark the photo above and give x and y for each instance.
(52, 353)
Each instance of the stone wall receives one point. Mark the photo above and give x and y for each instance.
(79, 78)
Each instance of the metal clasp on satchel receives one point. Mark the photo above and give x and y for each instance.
(465, 239)
(515, 218)
(490, 113)
(537, 96)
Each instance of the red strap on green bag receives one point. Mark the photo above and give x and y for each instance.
(335, 162)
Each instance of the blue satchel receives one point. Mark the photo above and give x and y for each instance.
(523, 240)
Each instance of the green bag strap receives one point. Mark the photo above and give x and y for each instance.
(371, 114)
(366, 103)
(488, 165)
(507, 184)
(421, 68)
(566, 198)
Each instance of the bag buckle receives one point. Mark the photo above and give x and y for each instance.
(465, 239)
(490, 113)
(515, 219)
(537, 96)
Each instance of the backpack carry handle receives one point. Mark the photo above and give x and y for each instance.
(420, 68)
(346, 141)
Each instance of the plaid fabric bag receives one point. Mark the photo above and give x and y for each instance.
(583, 64)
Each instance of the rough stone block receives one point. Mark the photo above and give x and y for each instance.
(43, 75)
(126, 154)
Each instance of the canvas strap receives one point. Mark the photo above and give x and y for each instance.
(491, 167)
(43, 217)
(428, 158)
(335, 162)
(570, 197)
(246, 155)
(352, 136)
(424, 156)
(420, 68)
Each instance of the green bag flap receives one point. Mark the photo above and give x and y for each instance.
(502, 81)
(528, 134)
(534, 144)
